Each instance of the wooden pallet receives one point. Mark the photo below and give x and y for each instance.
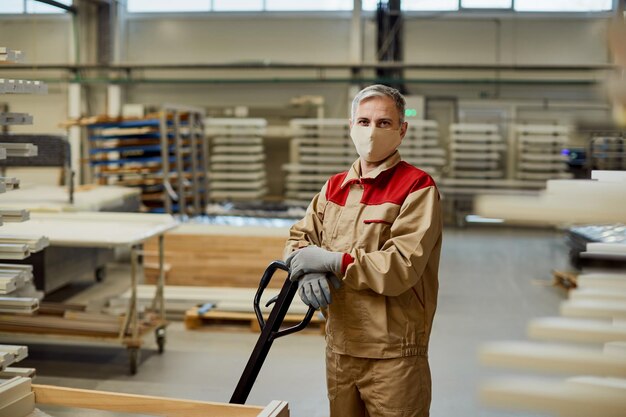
(563, 279)
(195, 321)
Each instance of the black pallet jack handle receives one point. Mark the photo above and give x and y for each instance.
(270, 330)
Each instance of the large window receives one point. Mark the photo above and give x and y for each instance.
(30, 6)
(154, 6)
(563, 5)
(486, 4)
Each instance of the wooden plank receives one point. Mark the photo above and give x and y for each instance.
(217, 259)
(593, 309)
(576, 330)
(139, 404)
(14, 389)
(553, 358)
(11, 371)
(275, 409)
(565, 399)
(193, 320)
(22, 407)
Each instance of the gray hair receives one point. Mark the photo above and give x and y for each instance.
(379, 90)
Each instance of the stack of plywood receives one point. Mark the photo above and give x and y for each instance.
(218, 256)
(180, 299)
(540, 152)
(16, 396)
(598, 201)
(237, 159)
(476, 152)
(16, 280)
(319, 149)
(587, 342)
(421, 147)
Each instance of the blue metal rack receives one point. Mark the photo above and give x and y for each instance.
(178, 161)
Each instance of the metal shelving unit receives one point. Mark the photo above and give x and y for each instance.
(166, 156)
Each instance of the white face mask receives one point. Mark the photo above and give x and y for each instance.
(374, 144)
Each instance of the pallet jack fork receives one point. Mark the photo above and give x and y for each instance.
(270, 330)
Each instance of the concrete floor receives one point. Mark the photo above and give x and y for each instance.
(493, 281)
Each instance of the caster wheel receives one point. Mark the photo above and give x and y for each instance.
(133, 360)
(160, 339)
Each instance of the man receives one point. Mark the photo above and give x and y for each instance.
(367, 253)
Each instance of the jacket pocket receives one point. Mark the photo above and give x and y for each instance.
(374, 233)
(370, 221)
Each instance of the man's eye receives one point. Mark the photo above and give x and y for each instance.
(363, 123)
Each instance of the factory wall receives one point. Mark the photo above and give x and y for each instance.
(310, 39)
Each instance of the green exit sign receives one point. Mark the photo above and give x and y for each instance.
(410, 112)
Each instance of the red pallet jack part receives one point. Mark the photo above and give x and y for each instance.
(270, 330)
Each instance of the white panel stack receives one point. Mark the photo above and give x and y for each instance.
(16, 396)
(608, 153)
(319, 149)
(540, 152)
(421, 147)
(17, 291)
(476, 152)
(237, 159)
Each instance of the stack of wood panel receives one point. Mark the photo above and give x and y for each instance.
(164, 155)
(476, 152)
(319, 149)
(218, 256)
(596, 201)
(540, 152)
(587, 342)
(421, 147)
(16, 280)
(16, 396)
(237, 158)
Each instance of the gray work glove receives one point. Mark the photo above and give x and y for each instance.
(313, 259)
(314, 289)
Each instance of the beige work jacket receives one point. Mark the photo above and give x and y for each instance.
(390, 222)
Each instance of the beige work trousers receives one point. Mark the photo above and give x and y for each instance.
(363, 387)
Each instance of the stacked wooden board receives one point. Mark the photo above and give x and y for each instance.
(587, 343)
(218, 256)
(563, 202)
(540, 152)
(164, 156)
(319, 149)
(16, 396)
(421, 147)
(17, 291)
(476, 152)
(237, 158)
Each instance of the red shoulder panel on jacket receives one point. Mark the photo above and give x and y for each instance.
(394, 185)
(334, 192)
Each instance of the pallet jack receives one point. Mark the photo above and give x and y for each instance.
(270, 330)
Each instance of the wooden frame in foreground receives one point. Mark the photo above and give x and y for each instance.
(156, 406)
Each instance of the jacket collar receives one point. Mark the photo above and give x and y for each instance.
(354, 174)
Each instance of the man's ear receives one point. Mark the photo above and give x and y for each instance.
(350, 123)
(403, 128)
